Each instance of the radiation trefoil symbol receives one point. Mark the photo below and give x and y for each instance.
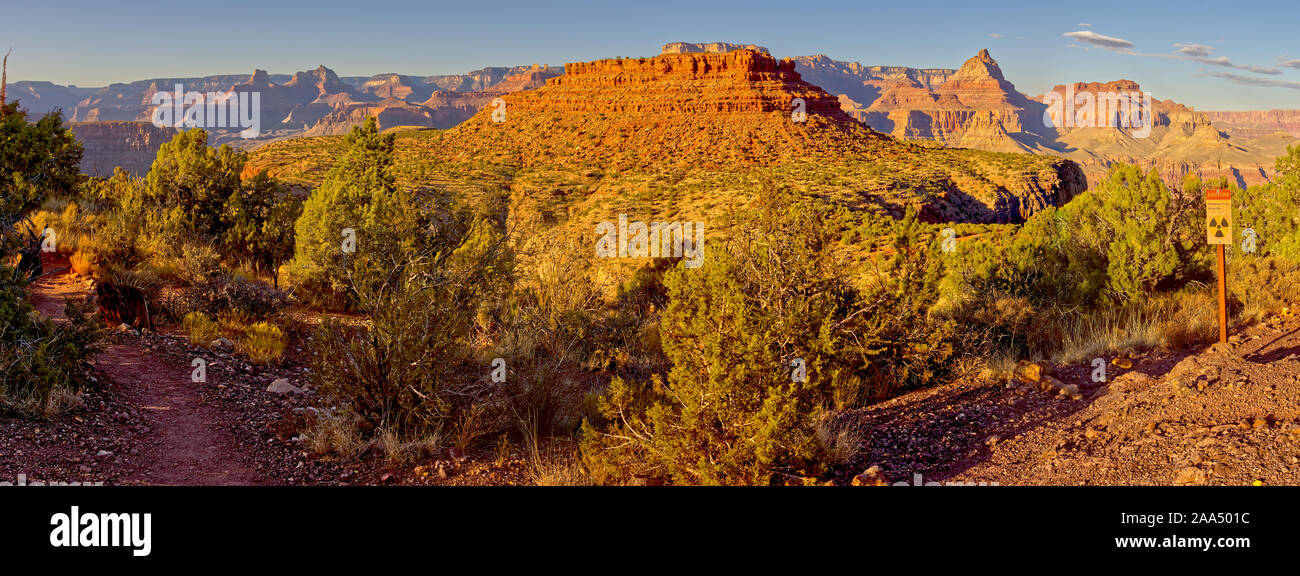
(1218, 224)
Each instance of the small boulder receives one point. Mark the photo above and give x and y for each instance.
(1028, 372)
(871, 477)
(282, 386)
(1190, 476)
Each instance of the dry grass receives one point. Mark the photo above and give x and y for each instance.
(557, 466)
(199, 329)
(334, 433)
(839, 444)
(263, 342)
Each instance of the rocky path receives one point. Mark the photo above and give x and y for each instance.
(1226, 414)
(188, 442)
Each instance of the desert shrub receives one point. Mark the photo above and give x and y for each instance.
(358, 194)
(1263, 285)
(42, 362)
(198, 264)
(247, 297)
(410, 370)
(38, 160)
(263, 342)
(233, 322)
(397, 372)
(193, 181)
(1085, 270)
(731, 409)
(117, 242)
(234, 299)
(1273, 211)
(259, 222)
(200, 329)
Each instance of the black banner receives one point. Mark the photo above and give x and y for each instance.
(535, 527)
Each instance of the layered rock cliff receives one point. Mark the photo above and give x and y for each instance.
(310, 102)
(708, 47)
(129, 145)
(977, 107)
(736, 113)
(1257, 123)
(976, 97)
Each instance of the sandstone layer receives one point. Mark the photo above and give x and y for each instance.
(131, 146)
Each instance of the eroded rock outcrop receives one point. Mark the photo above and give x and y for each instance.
(708, 47)
(910, 109)
(736, 111)
(129, 145)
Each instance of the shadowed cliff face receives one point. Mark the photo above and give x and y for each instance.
(1257, 123)
(310, 102)
(129, 145)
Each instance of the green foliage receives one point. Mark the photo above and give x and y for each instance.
(359, 193)
(193, 181)
(403, 372)
(42, 362)
(1146, 234)
(259, 219)
(36, 160)
(1273, 211)
(732, 408)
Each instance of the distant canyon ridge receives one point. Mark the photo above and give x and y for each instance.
(973, 106)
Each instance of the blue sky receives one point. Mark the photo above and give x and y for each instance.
(1211, 55)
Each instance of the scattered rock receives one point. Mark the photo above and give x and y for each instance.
(1028, 372)
(282, 386)
(871, 477)
(1190, 476)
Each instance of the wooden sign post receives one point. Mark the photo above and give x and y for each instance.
(1218, 233)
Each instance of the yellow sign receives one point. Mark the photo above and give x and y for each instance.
(1218, 216)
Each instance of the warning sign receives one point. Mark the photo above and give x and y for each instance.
(1218, 216)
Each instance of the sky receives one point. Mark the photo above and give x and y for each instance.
(1213, 55)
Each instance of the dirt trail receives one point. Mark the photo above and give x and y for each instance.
(189, 443)
(1226, 414)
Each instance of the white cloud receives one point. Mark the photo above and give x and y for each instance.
(1201, 53)
(1190, 51)
(1101, 41)
(1261, 70)
(1252, 80)
(1194, 50)
(995, 35)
